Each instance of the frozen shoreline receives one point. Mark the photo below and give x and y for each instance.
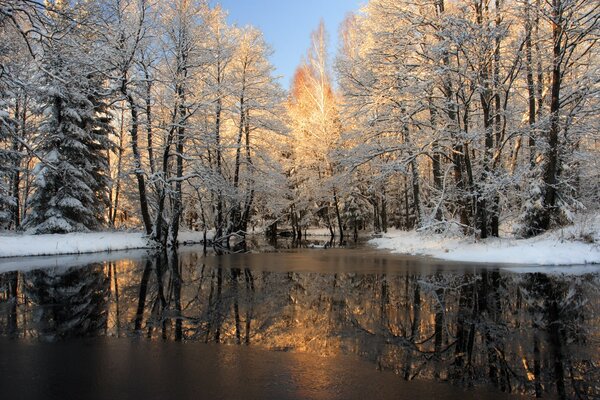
(18, 245)
(553, 248)
(561, 247)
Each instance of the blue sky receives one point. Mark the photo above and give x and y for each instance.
(287, 25)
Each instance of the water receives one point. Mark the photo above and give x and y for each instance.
(304, 323)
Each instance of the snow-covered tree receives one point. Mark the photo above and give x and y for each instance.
(443, 93)
(16, 106)
(72, 173)
(572, 89)
(315, 135)
(479, 115)
(257, 178)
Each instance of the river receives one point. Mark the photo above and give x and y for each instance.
(293, 323)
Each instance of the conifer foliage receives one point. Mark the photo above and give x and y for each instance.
(71, 177)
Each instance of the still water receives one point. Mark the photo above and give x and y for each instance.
(293, 324)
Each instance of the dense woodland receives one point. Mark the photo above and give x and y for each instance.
(479, 116)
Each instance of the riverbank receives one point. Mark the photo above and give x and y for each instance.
(576, 244)
(18, 245)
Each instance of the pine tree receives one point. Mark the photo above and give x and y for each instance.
(72, 174)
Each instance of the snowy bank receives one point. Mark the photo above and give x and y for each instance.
(70, 243)
(554, 248)
(80, 243)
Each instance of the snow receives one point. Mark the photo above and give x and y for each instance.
(80, 243)
(562, 247)
(190, 237)
(70, 243)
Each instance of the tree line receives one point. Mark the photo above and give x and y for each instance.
(127, 113)
(476, 115)
(485, 109)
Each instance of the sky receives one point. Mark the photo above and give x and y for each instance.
(287, 25)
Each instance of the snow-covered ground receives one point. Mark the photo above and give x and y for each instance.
(79, 243)
(70, 243)
(574, 245)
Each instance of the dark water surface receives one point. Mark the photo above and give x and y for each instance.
(306, 323)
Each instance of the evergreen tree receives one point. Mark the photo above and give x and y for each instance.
(72, 176)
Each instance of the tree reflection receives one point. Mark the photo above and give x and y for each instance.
(66, 304)
(9, 298)
(533, 334)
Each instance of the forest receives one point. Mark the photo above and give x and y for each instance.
(478, 117)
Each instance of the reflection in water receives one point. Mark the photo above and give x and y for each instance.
(531, 333)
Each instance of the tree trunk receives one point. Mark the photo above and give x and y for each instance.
(236, 212)
(495, 207)
(178, 201)
(383, 211)
(550, 167)
(530, 84)
(250, 184)
(148, 100)
(139, 173)
(436, 164)
(486, 99)
(115, 206)
(414, 173)
(338, 215)
(162, 192)
(219, 216)
(21, 116)
(416, 193)
(407, 224)
(376, 220)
